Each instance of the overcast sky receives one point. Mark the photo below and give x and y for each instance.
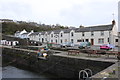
(64, 12)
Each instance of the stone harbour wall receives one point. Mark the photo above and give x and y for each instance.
(63, 67)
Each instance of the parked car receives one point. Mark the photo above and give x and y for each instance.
(107, 46)
(84, 45)
(67, 44)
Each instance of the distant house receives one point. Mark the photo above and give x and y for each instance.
(34, 36)
(23, 34)
(6, 20)
(9, 43)
(19, 33)
(26, 35)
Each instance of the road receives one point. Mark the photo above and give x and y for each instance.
(93, 47)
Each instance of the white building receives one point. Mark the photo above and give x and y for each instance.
(9, 43)
(34, 36)
(96, 35)
(23, 34)
(26, 35)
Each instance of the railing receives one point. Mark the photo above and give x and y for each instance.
(85, 74)
(101, 52)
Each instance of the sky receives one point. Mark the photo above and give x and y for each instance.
(64, 12)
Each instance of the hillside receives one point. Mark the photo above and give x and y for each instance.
(9, 28)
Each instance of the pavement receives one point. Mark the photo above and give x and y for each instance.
(81, 55)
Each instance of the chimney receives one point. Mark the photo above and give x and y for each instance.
(81, 26)
(113, 22)
(32, 31)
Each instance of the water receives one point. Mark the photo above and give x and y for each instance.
(13, 72)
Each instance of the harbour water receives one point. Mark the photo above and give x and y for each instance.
(13, 72)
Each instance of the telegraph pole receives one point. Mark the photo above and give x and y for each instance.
(119, 40)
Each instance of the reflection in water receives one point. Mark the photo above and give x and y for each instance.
(13, 72)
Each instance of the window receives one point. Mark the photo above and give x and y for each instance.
(42, 40)
(83, 34)
(116, 40)
(51, 35)
(87, 40)
(102, 33)
(61, 34)
(100, 40)
(82, 40)
(72, 40)
(79, 40)
(56, 40)
(72, 34)
(108, 39)
(61, 40)
(92, 33)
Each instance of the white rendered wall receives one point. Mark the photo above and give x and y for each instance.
(119, 16)
(97, 35)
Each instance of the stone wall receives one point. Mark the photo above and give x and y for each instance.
(62, 67)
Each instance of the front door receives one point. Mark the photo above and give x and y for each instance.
(92, 41)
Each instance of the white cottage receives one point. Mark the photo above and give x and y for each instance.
(23, 34)
(34, 36)
(19, 33)
(26, 35)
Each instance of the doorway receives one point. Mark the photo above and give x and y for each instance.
(92, 41)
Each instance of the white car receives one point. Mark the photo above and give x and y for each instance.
(67, 44)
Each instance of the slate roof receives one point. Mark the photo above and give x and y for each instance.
(84, 29)
(25, 33)
(49, 32)
(17, 32)
(56, 31)
(35, 33)
(95, 28)
(67, 30)
(42, 33)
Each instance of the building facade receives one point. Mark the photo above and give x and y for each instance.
(96, 35)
